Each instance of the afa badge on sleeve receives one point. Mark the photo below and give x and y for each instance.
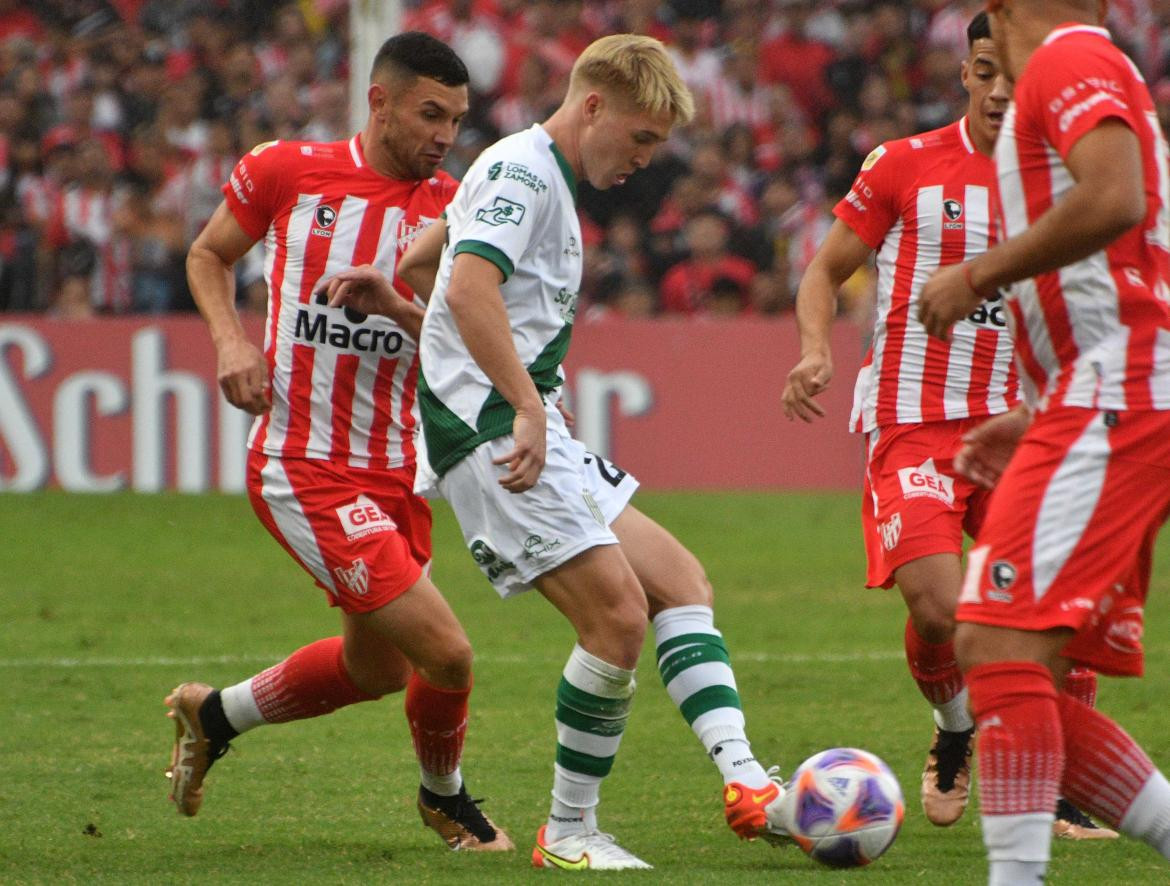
(874, 155)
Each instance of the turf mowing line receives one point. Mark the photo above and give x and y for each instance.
(164, 661)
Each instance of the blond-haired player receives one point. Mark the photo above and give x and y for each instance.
(535, 508)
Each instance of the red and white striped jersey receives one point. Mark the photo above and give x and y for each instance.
(1096, 333)
(343, 384)
(922, 203)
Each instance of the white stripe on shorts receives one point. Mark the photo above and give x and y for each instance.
(1068, 504)
(290, 519)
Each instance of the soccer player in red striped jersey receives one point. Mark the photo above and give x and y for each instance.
(921, 203)
(1060, 571)
(332, 455)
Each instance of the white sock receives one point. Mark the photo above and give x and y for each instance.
(1018, 847)
(444, 785)
(1017, 873)
(736, 762)
(1148, 816)
(574, 804)
(953, 715)
(239, 706)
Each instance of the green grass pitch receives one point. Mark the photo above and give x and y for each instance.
(107, 602)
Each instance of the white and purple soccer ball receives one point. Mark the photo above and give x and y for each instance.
(846, 807)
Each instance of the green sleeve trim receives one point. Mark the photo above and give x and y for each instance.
(489, 252)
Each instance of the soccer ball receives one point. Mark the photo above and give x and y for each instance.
(845, 807)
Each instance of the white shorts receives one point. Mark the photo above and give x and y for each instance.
(517, 537)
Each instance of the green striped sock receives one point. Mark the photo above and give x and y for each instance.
(593, 705)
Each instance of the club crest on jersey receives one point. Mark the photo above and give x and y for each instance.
(1003, 576)
(324, 217)
(501, 212)
(953, 210)
(925, 481)
(362, 517)
(356, 577)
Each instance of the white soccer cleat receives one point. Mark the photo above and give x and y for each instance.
(589, 851)
(778, 814)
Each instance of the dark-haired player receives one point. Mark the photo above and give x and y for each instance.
(332, 451)
(1060, 570)
(921, 203)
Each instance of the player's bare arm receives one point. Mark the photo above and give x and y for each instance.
(1107, 200)
(419, 265)
(366, 289)
(839, 257)
(479, 313)
(240, 366)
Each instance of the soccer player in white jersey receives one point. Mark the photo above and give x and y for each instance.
(332, 452)
(1060, 570)
(923, 202)
(534, 507)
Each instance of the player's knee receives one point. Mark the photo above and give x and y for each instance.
(450, 666)
(935, 626)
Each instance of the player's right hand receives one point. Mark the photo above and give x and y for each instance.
(806, 380)
(989, 447)
(526, 460)
(243, 376)
(365, 289)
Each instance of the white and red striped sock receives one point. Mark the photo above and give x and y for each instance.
(1021, 759)
(438, 724)
(310, 682)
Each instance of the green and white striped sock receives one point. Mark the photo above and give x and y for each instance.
(593, 705)
(696, 670)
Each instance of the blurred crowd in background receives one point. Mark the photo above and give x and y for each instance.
(120, 119)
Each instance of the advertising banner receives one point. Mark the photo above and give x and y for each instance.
(132, 403)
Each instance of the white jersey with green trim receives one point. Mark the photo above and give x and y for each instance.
(516, 207)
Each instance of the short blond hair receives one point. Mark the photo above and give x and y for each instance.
(638, 68)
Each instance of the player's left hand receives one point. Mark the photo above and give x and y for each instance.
(526, 460)
(945, 300)
(365, 289)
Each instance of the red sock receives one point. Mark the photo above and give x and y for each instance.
(438, 722)
(933, 667)
(1105, 767)
(1020, 746)
(310, 682)
(1081, 684)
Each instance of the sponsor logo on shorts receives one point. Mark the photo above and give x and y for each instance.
(1125, 632)
(356, 577)
(536, 547)
(925, 481)
(891, 531)
(362, 517)
(489, 561)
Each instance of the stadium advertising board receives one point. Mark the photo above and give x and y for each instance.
(111, 404)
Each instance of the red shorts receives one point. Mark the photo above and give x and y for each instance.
(915, 503)
(1069, 536)
(363, 535)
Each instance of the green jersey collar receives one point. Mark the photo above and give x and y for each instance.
(566, 169)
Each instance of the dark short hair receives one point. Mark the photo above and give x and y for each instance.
(416, 54)
(979, 29)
